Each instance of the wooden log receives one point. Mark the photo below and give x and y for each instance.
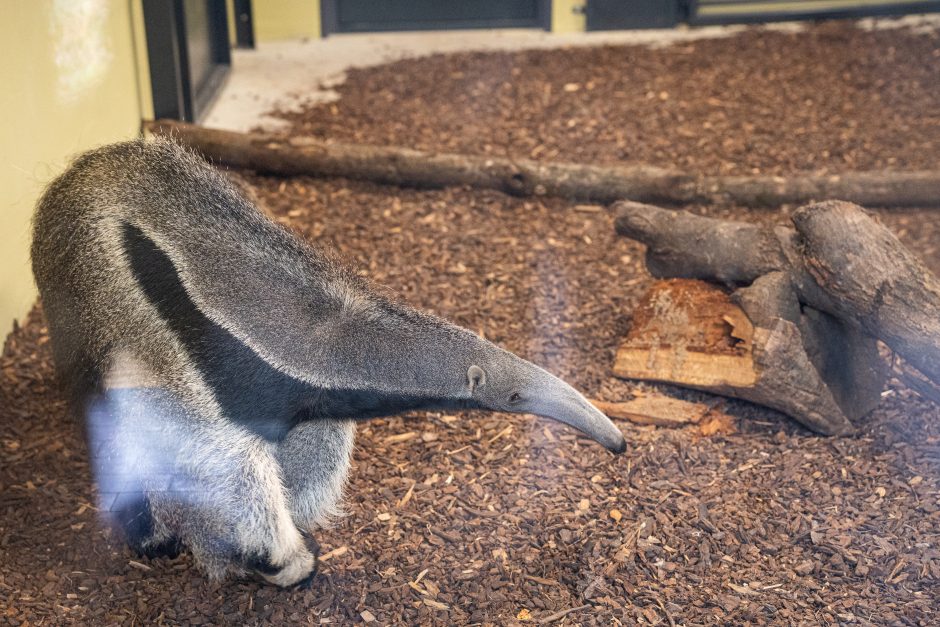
(751, 345)
(872, 279)
(838, 259)
(271, 154)
(681, 244)
(816, 358)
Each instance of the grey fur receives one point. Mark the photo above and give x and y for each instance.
(257, 349)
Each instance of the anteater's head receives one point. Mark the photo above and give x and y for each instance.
(501, 381)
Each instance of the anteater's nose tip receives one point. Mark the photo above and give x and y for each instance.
(619, 448)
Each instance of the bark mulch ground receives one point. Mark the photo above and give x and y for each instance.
(496, 519)
(831, 99)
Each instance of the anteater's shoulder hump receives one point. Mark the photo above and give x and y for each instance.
(150, 152)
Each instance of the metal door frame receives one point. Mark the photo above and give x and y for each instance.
(244, 24)
(174, 95)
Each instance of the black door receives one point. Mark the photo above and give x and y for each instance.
(629, 14)
(188, 50)
(357, 16)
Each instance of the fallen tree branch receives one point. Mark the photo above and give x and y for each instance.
(270, 154)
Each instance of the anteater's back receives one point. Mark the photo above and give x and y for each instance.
(89, 293)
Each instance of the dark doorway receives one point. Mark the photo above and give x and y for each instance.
(358, 16)
(630, 14)
(188, 50)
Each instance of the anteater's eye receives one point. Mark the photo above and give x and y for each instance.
(515, 397)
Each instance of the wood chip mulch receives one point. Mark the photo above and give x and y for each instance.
(831, 99)
(497, 519)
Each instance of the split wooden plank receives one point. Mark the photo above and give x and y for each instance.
(660, 411)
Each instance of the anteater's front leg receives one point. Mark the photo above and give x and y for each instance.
(314, 459)
(235, 514)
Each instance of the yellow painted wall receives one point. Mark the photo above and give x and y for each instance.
(232, 38)
(285, 19)
(564, 17)
(71, 80)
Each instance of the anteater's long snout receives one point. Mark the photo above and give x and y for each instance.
(559, 401)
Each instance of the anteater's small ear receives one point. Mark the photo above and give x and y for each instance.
(476, 377)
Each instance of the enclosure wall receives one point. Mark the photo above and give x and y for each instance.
(71, 71)
(568, 16)
(286, 19)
